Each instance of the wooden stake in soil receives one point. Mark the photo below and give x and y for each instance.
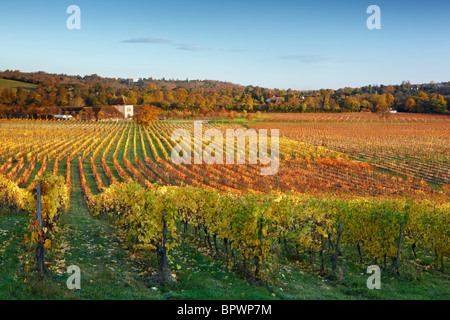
(336, 252)
(164, 269)
(40, 246)
(397, 261)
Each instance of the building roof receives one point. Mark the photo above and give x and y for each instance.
(122, 101)
(72, 109)
(89, 110)
(107, 110)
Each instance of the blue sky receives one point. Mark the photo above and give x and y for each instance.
(301, 44)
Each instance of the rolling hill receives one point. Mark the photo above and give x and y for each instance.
(4, 83)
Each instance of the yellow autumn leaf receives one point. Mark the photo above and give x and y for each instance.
(47, 243)
(34, 237)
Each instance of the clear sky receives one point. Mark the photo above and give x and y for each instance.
(301, 44)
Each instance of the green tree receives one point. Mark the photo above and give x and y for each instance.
(422, 101)
(351, 103)
(438, 103)
(132, 96)
(304, 107)
(366, 104)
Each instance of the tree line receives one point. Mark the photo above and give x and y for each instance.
(194, 97)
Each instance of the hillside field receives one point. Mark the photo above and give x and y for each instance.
(5, 84)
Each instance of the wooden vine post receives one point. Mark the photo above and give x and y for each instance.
(164, 269)
(40, 245)
(397, 261)
(336, 251)
(259, 255)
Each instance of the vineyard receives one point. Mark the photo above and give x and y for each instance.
(345, 190)
(356, 117)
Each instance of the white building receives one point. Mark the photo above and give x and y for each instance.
(63, 116)
(392, 110)
(125, 106)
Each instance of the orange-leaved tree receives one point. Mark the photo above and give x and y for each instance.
(147, 115)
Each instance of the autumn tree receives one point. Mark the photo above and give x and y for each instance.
(390, 100)
(187, 98)
(410, 104)
(100, 115)
(62, 96)
(366, 104)
(304, 107)
(147, 115)
(422, 100)
(7, 96)
(381, 104)
(78, 101)
(352, 104)
(21, 96)
(437, 103)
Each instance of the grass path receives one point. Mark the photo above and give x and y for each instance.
(11, 254)
(107, 270)
(110, 272)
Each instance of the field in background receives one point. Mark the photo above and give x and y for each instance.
(356, 117)
(354, 159)
(407, 150)
(12, 84)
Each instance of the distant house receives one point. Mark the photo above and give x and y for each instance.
(63, 116)
(124, 105)
(73, 111)
(49, 113)
(392, 110)
(365, 110)
(90, 113)
(80, 113)
(273, 98)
